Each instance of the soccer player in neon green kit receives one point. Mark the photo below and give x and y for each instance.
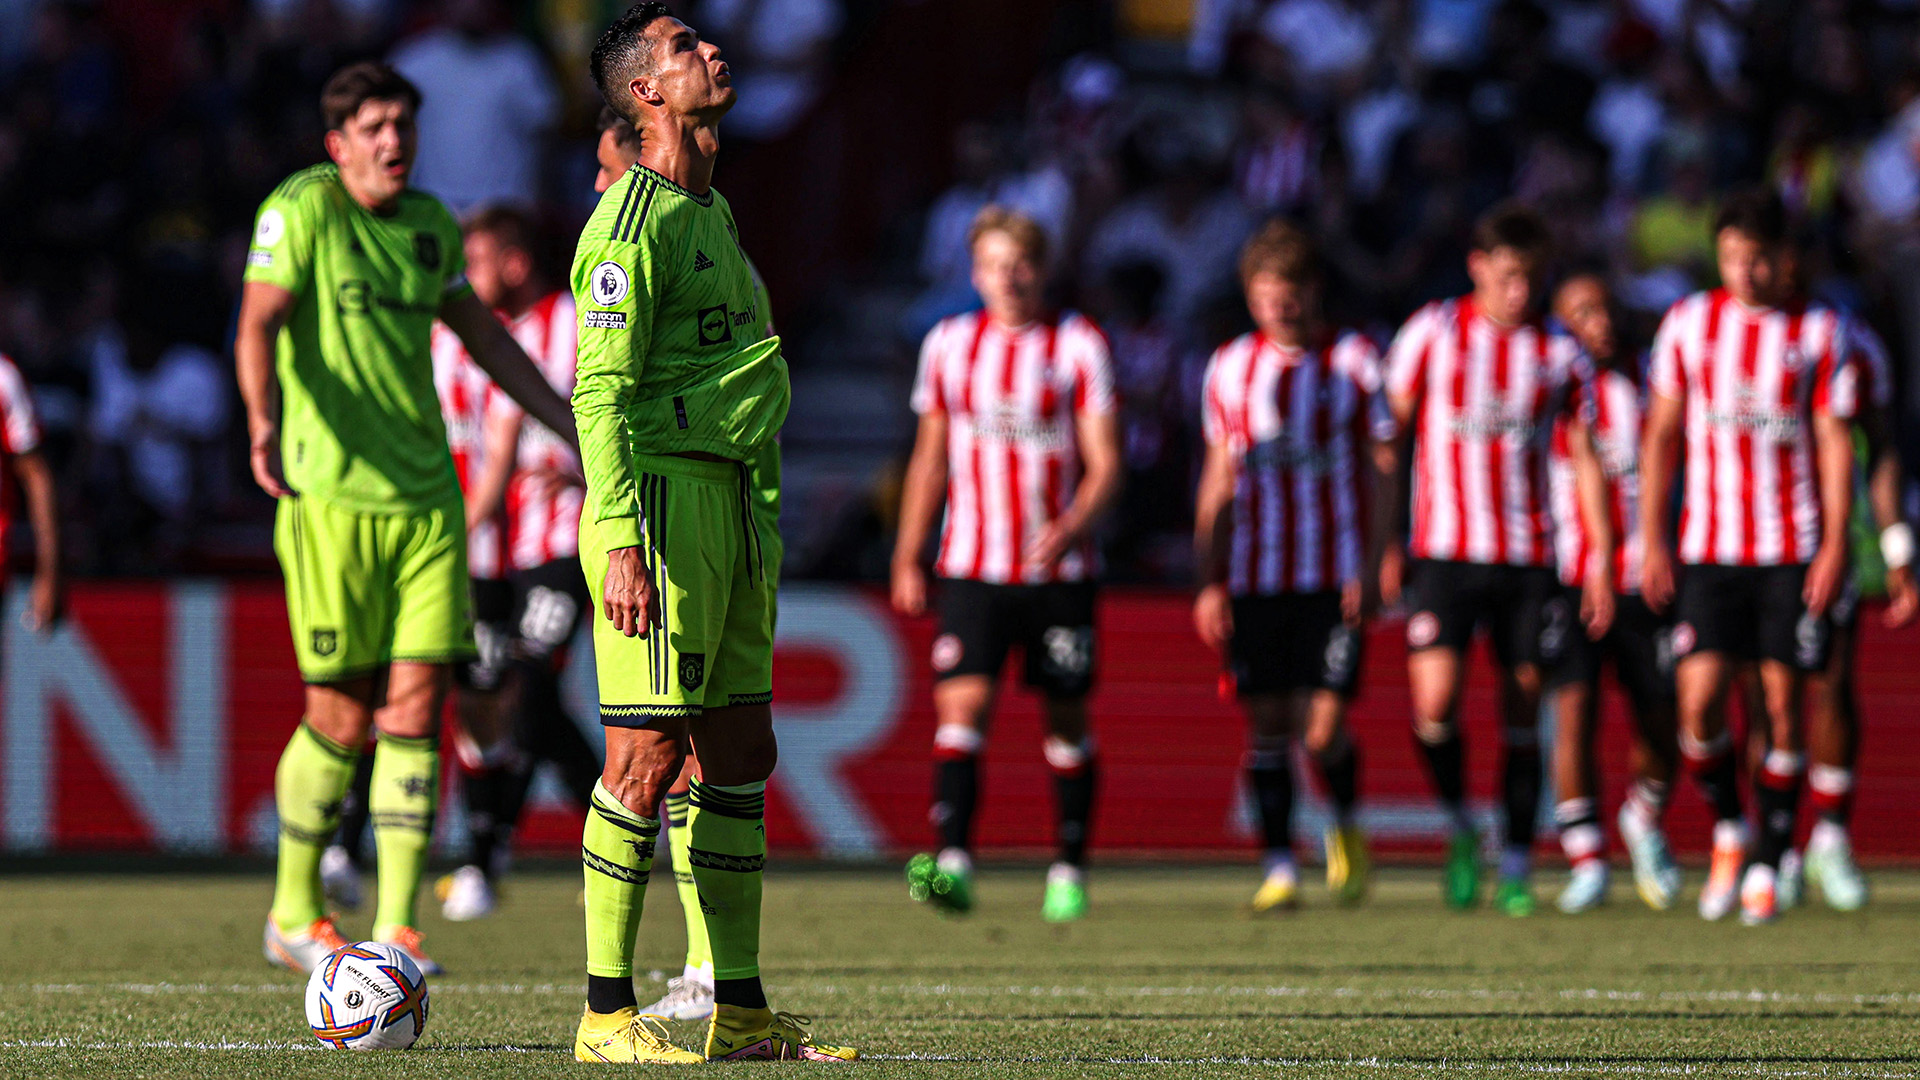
(347, 272)
(681, 384)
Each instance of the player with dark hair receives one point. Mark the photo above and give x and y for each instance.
(1019, 438)
(530, 479)
(616, 150)
(1289, 413)
(348, 270)
(1475, 384)
(1753, 393)
(1595, 487)
(680, 386)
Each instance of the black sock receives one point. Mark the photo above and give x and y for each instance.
(542, 727)
(610, 993)
(1776, 792)
(1340, 771)
(740, 993)
(1718, 784)
(480, 791)
(956, 786)
(1447, 768)
(1520, 792)
(1073, 796)
(353, 809)
(1271, 778)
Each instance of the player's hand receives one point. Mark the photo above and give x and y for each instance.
(1393, 574)
(1213, 616)
(1823, 578)
(629, 601)
(1053, 542)
(1597, 604)
(264, 455)
(1353, 603)
(1903, 598)
(45, 605)
(1656, 576)
(909, 589)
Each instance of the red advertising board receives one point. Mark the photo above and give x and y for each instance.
(153, 721)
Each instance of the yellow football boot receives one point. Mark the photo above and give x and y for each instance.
(1349, 866)
(738, 1034)
(627, 1038)
(1279, 892)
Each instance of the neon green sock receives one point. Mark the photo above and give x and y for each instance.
(616, 853)
(406, 777)
(699, 949)
(307, 788)
(727, 849)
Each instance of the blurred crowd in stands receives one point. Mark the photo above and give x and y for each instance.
(1149, 137)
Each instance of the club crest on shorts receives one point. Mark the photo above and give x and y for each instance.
(693, 670)
(1423, 629)
(1683, 639)
(325, 642)
(946, 652)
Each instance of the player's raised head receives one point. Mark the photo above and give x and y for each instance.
(1009, 264)
(1585, 304)
(618, 149)
(649, 63)
(1750, 241)
(503, 256)
(1510, 250)
(369, 111)
(1280, 271)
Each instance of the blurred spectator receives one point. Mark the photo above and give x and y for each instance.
(778, 50)
(487, 100)
(1181, 224)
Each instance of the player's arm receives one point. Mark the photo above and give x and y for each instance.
(1590, 485)
(1883, 495)
(502, 358)
(1212, 537)
(1659, 462)
(1098, 435)
(1387, 553)
(264, 310)
(1833, 453)
(48, 599)
(501, 442)
(921, 495)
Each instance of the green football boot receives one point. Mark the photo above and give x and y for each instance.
(948, 890)
(1463, 870)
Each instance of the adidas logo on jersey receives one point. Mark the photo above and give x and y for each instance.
(700, 261)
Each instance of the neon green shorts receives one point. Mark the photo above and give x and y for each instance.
(365, 590)
(706, 550)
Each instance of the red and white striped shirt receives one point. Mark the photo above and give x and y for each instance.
(1296, 421)
(1013, 458)
(19, 434)
(543, 521)
(1484, 396)
(1751, 381)
(1614, 409)
(466, 396)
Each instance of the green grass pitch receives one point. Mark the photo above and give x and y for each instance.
(161, 976)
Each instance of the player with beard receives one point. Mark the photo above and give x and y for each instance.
(1475, 385)
(681, 385)
(1753, 394)
(347, 272)
(1595, 490)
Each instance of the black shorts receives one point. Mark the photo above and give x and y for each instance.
(1293, 641)
(492, 600)
(549, 603)
(1639, 645)
(1516, 604)
(1749, 613)
(1053, 625)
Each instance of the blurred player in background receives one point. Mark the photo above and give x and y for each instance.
(1833, 709)
(1751, 394)
(347, 272)
(27, 470)
(1475, 384)
(531, 482)
(1595, 486)
(1280, 544)
(681, 384)
(1019, 440)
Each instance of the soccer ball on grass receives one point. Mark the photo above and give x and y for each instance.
(367, 996)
